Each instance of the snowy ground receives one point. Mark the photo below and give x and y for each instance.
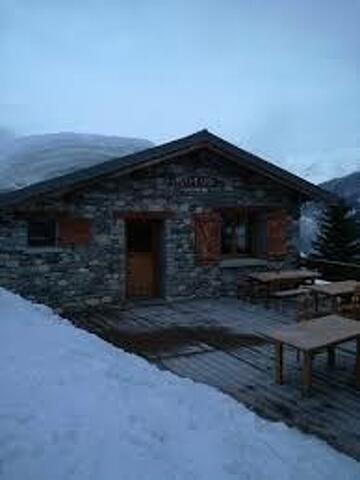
(74, 407)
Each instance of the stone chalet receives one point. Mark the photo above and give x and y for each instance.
(184, 219)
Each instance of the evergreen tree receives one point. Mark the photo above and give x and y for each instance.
(339, 235)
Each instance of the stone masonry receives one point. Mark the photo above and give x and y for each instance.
(76, 277)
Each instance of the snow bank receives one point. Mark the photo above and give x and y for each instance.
(74, 407)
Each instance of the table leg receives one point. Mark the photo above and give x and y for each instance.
(357, 366)
(307, 371)
(331, 356)
(335, 303)
(316, 301)
(279, 359)
(268, 295)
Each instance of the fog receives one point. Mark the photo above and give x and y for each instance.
(280, 78)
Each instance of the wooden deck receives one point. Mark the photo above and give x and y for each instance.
(168, 335)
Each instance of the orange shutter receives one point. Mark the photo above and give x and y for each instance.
(207, 237)
(276, 227)
(73, 231)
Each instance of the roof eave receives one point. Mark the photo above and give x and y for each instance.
(138, 160)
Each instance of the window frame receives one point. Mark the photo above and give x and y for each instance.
(238, 215)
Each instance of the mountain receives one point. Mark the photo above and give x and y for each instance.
(30, 159)
(347, 187)
(34, 158)
(324, 165)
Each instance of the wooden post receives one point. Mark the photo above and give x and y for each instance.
(316, 301)
(331, 356)
(335, 303)
(357, 366)
(279, 363)
(307, 371)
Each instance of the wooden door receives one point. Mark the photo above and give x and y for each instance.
(142, 258)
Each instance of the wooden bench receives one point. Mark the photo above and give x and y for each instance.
(294, 292)
(282, 295)
(266, 283)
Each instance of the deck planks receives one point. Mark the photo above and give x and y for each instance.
(332, 411)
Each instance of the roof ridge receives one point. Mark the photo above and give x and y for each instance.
(164, 151)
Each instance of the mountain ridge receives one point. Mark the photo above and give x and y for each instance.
(34, 158)
(347, 187)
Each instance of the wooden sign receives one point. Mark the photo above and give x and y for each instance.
(192, 182)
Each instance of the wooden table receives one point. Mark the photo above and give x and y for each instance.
(274, 276)
(283, 278)
(313, 336)
(333, 290)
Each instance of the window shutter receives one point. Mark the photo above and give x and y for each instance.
(276, 229)
(207, 237)
(73, 231)
(259, 235)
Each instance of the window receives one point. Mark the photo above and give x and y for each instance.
(139, 236)
(235, 233)
(42, 233)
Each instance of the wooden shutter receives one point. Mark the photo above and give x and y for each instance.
(207, 237)
(259, 235)
(73, 231)
(276, 230)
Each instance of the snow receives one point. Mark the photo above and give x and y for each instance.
(320, 166)
(34, 158)
(30, 159)
(74, 407)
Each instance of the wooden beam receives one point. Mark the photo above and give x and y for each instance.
(331, 356)
(307, 371)
(279, 363)
(143, 215)
(357, 364)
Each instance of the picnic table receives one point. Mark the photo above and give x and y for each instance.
(282, 279)
(283, 276)
(313, 336)
(334, 291)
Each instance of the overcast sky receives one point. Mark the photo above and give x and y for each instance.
(275, 76)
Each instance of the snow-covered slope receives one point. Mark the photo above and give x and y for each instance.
(72, 407)
(321, 166)
(348, 187)
(30, 159)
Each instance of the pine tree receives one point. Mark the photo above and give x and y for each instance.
(339, 235)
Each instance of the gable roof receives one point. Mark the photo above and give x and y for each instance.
(166, 151)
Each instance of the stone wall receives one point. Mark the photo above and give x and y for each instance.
(76, 277)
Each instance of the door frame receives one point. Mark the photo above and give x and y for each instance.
(157, 229)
